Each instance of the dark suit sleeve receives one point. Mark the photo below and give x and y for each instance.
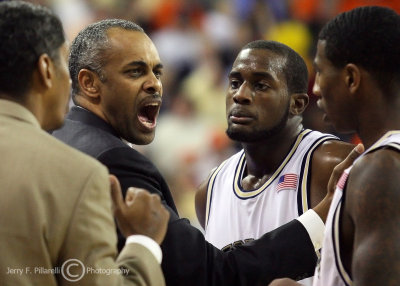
(188, 259)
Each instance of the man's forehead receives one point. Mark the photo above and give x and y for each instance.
(320, 55)
(259, 60)
(133, 46)
(119, 37)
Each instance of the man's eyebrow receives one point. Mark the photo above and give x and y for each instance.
(159, 66)
(263, 74)
(257, 74)
(234, 74)
(144, 64)
(137, 63)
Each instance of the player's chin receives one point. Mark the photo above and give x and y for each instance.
(237, 133)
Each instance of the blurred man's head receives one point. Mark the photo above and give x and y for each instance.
(33, 61)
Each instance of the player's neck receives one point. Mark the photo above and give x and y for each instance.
(265, 157)
(378, 122)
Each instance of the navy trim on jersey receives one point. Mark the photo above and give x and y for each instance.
(336, 251)
(307, 160)
(210, 191)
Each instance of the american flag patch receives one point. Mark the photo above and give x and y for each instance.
(287, 182)
(342, 180)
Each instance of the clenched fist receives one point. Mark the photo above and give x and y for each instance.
(140, 213)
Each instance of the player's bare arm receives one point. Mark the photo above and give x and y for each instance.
(323, 207)
(201, 202)
(324, 160)
(372, 205)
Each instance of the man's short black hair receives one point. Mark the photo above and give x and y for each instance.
(295, 69)
(368, 36)
(26, 32)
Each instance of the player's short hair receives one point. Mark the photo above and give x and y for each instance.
(367, 36)
(295, 69)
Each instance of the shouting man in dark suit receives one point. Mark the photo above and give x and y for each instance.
(116, 80)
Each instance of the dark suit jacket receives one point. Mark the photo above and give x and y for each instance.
(188, 259)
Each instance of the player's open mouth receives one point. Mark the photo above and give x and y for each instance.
(148, 113)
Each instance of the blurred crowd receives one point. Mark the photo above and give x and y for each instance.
(197, 41)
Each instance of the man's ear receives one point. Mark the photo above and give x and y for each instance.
(46, 70)
(298, 103)
(89, 83)
(352, 77)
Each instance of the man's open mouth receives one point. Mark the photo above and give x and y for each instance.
(148, 114)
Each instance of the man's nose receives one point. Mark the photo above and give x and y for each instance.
(243, 94)
(153, 84)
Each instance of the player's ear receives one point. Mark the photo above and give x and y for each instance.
(352, 74)
(89, 83)
(298, 103)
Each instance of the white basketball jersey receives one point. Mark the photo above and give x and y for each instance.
(331, 270)
(235, 215)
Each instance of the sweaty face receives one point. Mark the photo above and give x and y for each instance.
(131, 92)
(330, 87)
(257, 102)
(57, 101)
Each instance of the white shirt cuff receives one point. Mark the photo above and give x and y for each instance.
(314, 226)
(147, 242)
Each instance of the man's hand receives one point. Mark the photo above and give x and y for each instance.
(338, 170)
(284, 282)
(323, 207)
(140, 213)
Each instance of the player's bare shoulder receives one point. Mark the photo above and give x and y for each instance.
(324, 160)
(375, 177)
(332, 152)
(371, 201)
